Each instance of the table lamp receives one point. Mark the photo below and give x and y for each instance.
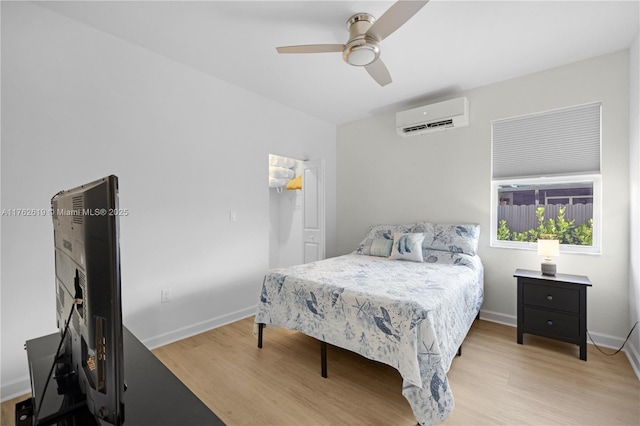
(548, 248)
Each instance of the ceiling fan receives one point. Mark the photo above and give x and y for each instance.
(365, 34)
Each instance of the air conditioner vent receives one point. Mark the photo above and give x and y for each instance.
(444, 115)
(445, 123)
(414, 128)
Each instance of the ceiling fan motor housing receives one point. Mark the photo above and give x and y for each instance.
(361, 49)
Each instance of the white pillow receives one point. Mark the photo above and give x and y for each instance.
(407, 247)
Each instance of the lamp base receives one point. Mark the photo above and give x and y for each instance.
(548, 268)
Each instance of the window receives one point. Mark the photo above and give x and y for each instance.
(546, 179)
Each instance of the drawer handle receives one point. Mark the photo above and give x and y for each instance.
(549, 323)
(549, 297)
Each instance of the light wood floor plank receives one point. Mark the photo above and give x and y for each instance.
(495, 382)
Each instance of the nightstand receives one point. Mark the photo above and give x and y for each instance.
(553, 307)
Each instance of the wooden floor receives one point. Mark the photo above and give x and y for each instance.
(495, 382)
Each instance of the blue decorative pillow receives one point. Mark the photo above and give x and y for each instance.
(375, 247)
(378, 240)
(407, 247)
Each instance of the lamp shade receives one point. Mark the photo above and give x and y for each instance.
(548, 248)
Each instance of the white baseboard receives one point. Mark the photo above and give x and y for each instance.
(634, 358)
(504, 319)
(605, 340)
(201, 327)
(15, 389)
(23, 386)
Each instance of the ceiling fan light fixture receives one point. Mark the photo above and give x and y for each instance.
(361, 54)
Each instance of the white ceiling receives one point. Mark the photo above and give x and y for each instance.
(448, 47)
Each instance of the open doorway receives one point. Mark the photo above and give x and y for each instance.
(297, 219)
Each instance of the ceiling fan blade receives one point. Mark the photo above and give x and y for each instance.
(311, 48)
(378, 70)
(394, 18)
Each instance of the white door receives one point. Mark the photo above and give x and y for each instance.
(313, 208)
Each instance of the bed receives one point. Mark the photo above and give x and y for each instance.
(407, 297)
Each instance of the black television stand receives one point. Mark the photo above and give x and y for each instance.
(78, 415)
(154, 395)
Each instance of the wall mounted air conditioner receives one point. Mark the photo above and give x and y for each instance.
(432, 118)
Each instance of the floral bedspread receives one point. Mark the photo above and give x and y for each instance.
(412, 316)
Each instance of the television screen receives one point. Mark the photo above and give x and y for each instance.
(88, 299)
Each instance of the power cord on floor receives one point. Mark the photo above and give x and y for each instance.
(619, 349)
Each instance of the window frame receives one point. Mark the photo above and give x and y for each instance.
(594, 179)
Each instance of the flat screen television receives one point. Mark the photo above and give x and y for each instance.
(89, 362)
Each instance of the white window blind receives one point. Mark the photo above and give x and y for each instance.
(559, 142)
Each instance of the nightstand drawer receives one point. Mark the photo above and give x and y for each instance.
(550, 297)
(552, 323)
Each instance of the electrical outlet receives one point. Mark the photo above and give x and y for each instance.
(165, 295)
(233, 216)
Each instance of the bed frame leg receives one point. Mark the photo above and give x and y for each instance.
(460, 351)
(260, 328)
(323, 358)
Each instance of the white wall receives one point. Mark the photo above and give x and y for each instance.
(634, 169)
(78, 104)
(445, 177)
